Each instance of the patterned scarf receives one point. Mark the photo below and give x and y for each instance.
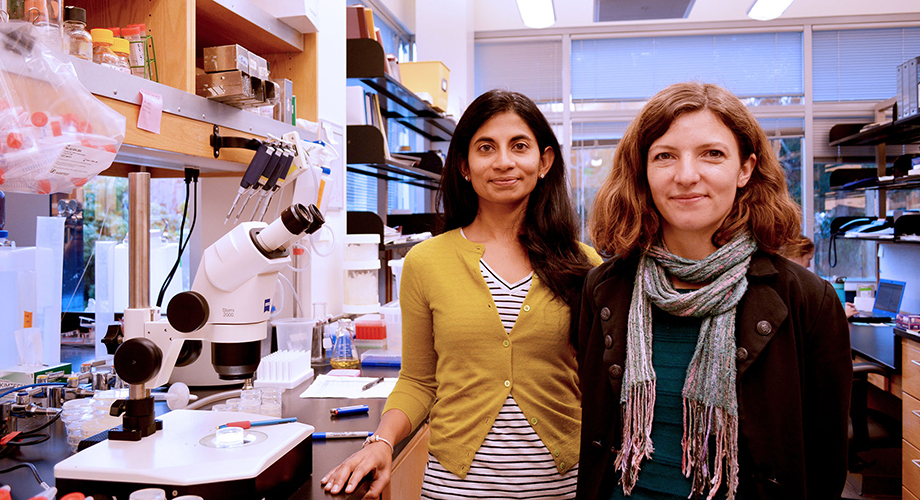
(710, 401)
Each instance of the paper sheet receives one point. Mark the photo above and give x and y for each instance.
(324, 386)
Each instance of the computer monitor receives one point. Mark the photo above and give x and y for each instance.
(888, 297)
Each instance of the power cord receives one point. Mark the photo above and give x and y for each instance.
(191, 175)
(48, 490)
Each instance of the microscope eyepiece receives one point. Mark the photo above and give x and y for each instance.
(295, 221)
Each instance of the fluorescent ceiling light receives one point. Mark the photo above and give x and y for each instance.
(765, 10)
(537, 13)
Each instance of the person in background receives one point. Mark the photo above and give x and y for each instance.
(710, 366)
(801, 250)
(485, 314)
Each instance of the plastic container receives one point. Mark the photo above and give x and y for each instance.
(294, 334)
(396, 267)
(136, 40)
(154, 493)
(361, 286)
(392, 317)
(102, 48)
(77, 41)
(371, 331)
(121, 47)
(360, 247)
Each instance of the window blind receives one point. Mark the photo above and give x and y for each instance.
(857, 65)
(533, 68)
(750, 65)
(360, 192)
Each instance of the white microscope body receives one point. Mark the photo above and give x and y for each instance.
(229, 305)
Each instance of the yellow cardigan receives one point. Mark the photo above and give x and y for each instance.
(459, 365)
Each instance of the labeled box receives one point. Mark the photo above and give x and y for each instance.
(226, 58)
(223, 86)
(258, 66)
(427, 77)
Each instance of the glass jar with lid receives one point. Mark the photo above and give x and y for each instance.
(77, 41)
(121, 49)
(102, 48)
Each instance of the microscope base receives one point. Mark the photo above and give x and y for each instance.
(181, 459)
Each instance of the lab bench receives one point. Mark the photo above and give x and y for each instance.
(326, 453)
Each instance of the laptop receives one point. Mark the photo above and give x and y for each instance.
(888, 297)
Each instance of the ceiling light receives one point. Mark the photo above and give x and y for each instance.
(765, 10)
(537, 14)
(596, 162)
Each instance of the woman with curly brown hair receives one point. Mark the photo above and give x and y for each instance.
(706, 360)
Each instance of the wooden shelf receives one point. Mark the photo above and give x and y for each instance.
(365, 65)
(224, 22)
(186, 124)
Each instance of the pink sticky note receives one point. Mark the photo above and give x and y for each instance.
(151, 111)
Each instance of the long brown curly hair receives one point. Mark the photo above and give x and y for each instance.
(624, 218)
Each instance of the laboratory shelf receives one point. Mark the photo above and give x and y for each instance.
(186, 123)
(364, 64)
(227, 22)
(904, 131)
(367, 154)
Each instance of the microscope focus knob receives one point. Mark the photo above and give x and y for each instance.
(188, 312)
(138, 360)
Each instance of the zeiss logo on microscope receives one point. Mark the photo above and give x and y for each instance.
(267, 306)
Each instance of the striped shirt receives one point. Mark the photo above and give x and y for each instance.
(512, 463)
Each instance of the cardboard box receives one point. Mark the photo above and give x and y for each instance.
(226, 58)
(224, 86)
(431, 77)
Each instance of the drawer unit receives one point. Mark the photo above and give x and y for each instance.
(910, 467)
(910, 419)
(910, 367)
(907, 495)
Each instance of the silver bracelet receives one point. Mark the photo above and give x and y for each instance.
(375, 438)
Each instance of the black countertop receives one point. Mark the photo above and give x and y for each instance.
(326, 454)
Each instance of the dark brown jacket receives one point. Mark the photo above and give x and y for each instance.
(794, 377)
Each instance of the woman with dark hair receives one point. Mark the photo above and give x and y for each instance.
(710, 366)
(485, 314)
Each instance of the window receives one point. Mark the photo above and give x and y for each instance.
(361, 192)
(860, 64)
(533, 68)
(105, 218)
(634, 69)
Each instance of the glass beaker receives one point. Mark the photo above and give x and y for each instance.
(344, 352)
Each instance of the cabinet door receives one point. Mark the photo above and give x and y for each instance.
(409, 468)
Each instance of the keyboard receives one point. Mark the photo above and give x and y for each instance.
(870, 319)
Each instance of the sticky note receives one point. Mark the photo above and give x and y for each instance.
(151, 111)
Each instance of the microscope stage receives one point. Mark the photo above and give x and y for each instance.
(183, 457)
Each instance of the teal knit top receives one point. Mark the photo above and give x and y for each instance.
(673, 341)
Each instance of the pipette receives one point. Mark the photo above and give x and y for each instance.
(276, 184)
(263, 178)
(253, 171)
(265, 188)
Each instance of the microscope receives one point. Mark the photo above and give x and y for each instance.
(229, 305)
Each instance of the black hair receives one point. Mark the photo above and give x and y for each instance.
(550, 230)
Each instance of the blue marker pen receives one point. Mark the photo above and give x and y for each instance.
(349, 410)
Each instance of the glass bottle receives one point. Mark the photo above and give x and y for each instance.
(77, 41)
(344, 352)
(121, 48)
(102, 48)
